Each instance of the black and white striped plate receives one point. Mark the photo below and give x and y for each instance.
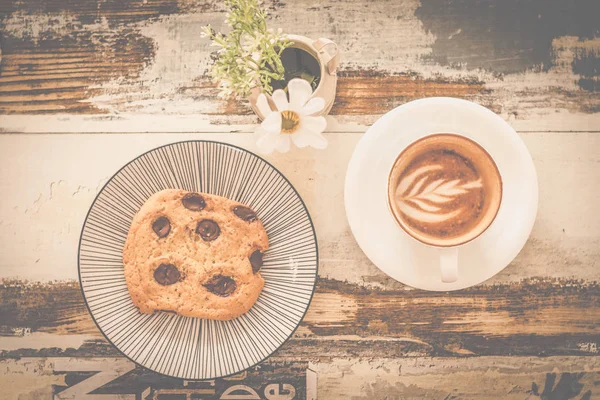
(193, 348)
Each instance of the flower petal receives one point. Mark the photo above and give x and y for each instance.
(280, 99)
(304, 137)
(263, 105)
(318, 141)
(300, 91)
(313, 124)
(267, 142)
(301, 137)
(314, 105)
(272, 122)
(283, 143)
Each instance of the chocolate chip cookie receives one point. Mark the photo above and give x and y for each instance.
(195, 254)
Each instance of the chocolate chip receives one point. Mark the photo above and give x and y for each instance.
(221, 285)
(166, 274)
(161, 227)
(245, 213)
(208, 230)
(256, 260)
(193, 201)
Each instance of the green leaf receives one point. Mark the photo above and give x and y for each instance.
(234, 63)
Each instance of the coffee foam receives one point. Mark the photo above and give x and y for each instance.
(444, 189)
(419, 203)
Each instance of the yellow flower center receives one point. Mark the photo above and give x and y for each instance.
(289, 121)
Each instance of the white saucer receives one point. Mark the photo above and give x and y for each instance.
(393, 250)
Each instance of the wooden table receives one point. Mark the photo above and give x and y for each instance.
(87, 85)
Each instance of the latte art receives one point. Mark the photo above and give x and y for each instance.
(425, 201)
(444, 189)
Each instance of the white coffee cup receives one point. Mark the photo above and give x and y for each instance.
(433, 200)
(390, 247)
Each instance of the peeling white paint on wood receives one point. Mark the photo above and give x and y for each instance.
(29, 378)
(385, 37)
(367, 43)
(106, 371)
(25, 25)
(42, 340)
(49, 181)
(478, 378)
(181, 57)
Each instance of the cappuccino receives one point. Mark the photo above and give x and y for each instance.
(444, 190)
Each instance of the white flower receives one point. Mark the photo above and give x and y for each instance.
(249, 42)
(293, 120)
(256, 56)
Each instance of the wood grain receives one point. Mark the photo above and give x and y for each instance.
(514, 378)
(536, 317)
(371, 92)
(38, 307)
(358, 92)
(525, 59)
(116, 378)
(140, 66)
(483, 378)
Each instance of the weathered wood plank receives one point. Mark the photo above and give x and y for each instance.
(64, 173)
(355, 303)
(534, 62)
(36, 307)
(116, 378)
(513, 378)
(482, 378)
(373, 92)
(533, 317)
(88, 10)
(526, 60)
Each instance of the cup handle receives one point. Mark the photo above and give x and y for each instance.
(449, 264)
(331, 62)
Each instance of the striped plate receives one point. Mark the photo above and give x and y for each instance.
(193, 348)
